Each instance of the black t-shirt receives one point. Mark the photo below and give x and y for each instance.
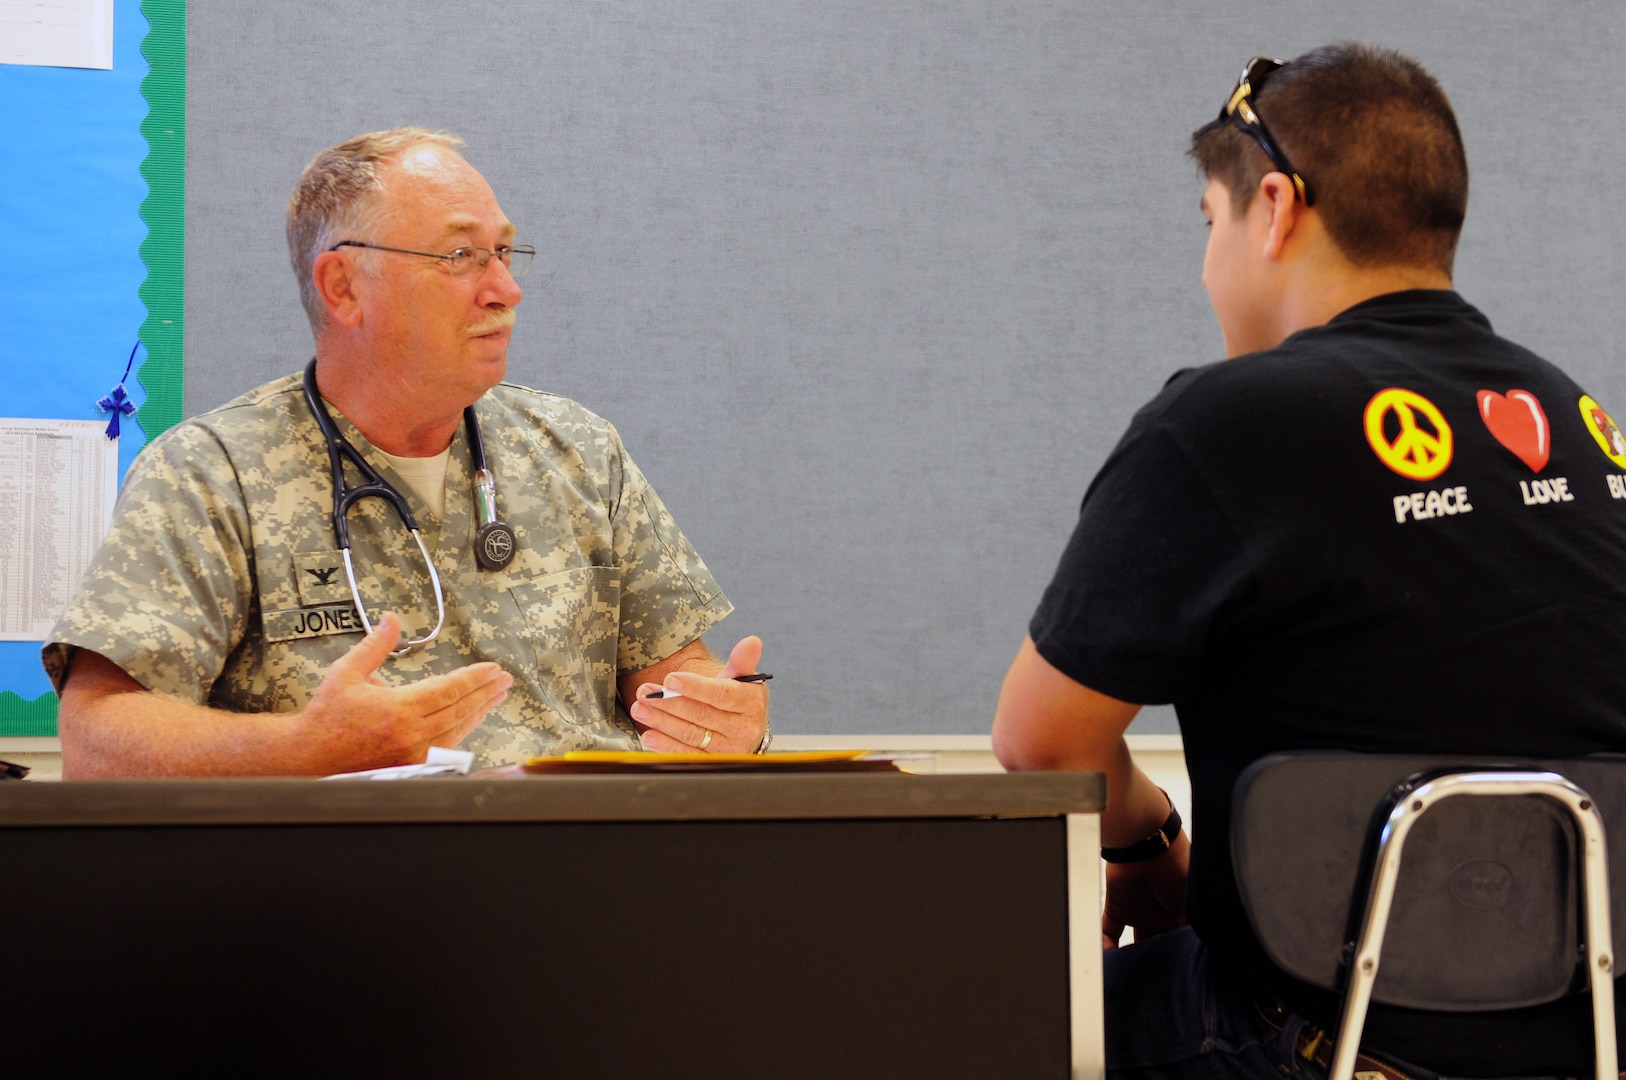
(1397, 532)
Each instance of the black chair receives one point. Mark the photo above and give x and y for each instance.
(1456, 884)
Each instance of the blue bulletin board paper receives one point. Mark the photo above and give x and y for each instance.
(71, 193)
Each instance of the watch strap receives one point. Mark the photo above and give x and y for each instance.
(1152, 846)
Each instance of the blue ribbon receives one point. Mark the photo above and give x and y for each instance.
(119, 401)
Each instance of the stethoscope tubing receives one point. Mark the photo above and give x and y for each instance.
(375, 487)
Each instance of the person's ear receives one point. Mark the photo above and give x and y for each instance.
(1283, 213)
(336, 279)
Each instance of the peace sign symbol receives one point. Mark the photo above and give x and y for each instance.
(1415, 452)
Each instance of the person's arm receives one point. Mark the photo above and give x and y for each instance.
(735, 713)
(113, 726)
(1046, 720)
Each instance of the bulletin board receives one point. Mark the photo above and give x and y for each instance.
(92, 259)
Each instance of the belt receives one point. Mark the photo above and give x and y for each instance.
(1315, 1045)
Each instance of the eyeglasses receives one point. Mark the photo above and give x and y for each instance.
(464, 260)
(1241, 112)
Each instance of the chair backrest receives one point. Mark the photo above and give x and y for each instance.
(1485, 912)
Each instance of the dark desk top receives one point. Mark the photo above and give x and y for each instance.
(670, 797)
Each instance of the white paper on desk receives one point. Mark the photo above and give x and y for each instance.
(57, 33)
(58, 480)
(440, 762)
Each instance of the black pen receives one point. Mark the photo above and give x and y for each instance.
(759, 677)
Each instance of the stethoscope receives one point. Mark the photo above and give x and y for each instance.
(494, 543)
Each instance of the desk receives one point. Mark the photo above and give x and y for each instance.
(801, 925)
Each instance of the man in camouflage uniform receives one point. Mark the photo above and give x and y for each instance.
(215, 632)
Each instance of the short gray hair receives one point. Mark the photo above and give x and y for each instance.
(338, 198)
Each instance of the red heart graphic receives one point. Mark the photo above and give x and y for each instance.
(1518, 423)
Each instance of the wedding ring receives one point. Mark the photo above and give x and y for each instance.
(707, 740)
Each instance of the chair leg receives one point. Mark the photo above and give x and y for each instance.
(1599, 934)
(1363, 971)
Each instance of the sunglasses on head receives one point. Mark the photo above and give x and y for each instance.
(1239, 110)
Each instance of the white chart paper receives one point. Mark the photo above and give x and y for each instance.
(57, 33)
(58, 480)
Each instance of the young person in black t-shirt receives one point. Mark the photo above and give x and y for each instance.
(1377, 526)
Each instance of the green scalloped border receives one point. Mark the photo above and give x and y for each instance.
(164, 252)
(164, 211)
(27, 718)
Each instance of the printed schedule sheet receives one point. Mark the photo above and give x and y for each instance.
(58, 481)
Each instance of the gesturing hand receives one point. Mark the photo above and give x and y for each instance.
(714, 714)
(354, 721)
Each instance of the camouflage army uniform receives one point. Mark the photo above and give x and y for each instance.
(220, 582)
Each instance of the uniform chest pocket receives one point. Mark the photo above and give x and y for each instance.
(573, 624)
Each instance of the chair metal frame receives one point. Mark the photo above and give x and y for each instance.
(1363, 968)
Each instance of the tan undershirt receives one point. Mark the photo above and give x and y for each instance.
(426, 476)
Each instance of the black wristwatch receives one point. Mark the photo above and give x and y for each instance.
(1150, 848)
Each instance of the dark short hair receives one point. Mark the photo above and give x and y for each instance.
(1373, 133)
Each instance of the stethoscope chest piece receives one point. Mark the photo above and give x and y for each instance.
(494, 545)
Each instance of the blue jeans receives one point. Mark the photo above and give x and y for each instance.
(1169, 1018)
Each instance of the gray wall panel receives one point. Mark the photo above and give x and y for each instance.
(871, 289)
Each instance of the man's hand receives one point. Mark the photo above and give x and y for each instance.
(1149, 896)
(111, 725)
(714, 714)
(355, 718)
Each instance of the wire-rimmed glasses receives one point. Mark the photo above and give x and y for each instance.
(464, 260)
